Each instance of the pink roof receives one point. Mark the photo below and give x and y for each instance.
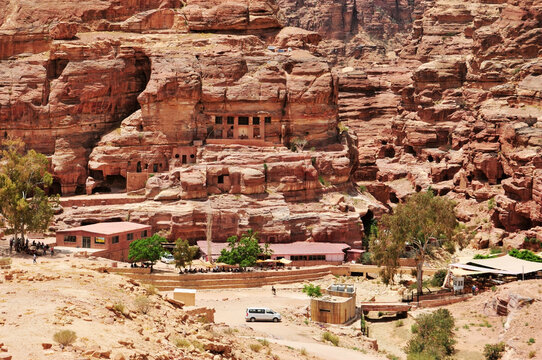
(108, 228)
(295, 248)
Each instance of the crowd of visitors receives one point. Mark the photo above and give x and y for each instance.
(25, 246)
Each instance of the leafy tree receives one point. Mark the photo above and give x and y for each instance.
(433, 336)
(147, 249)
(242, 251)
(24, 203)
(313, 291)
(184, 253)
(527, 255)
(421, 222)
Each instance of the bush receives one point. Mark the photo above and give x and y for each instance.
(532, 354)
(525, 255)
(119, 307)
(264, 342)
(182, 343)
(143, 304)
(65, 337)
(531, 341)
(399, 323)
(491, 204)
(366, 258)
(332, 338)
(434, 338)
(151, 289)
(312, 290)
(303, 351)
(255, 347)
(5, 261)
(438, 278)
(493, 351)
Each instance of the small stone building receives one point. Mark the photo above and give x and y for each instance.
(337, 306)
(113, 238)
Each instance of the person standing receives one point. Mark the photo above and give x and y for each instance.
(273, 290)
(34, 259)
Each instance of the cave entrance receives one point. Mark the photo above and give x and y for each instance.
(393, 198)
(117, 183)
(55, 188)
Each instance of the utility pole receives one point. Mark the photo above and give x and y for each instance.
(209, 234)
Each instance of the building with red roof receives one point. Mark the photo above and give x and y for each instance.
(300, 252)
(113, 238)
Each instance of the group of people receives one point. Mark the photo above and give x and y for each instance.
(22, 245)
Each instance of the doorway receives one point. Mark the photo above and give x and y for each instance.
(86, 242)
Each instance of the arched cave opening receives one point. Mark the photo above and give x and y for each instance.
(409, 150)
(389, 152)
(393, 198)
(97, 174)
(430, 158)
(55, 188)
(141, 78)
(114, 219)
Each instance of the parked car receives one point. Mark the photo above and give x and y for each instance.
(168, 259)
(262, 314)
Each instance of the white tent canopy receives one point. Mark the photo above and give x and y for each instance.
(507, 265)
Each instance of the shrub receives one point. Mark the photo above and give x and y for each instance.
(264, 342)
(480, 256)
(531, 341)
(438, 278)
(119, 307)
(399, 323)
(493, 351)
(255, 347)
(65, 337)
(434, 337)
(491, 204)
(303, 351)
(312, 290)
(495, 250)
(366, 258)
(182, 343)
(532, 354)
(332, 338)
(151, 289)
(525, 255)
(362, 188)
(142, 304)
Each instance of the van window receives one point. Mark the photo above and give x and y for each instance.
(269, 312)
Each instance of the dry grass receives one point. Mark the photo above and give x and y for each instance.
(65, 337)
(255, 347)
(332, 338)
(143, 304)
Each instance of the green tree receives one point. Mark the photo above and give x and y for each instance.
(313, 291)
(148, 249)
(421, 223)
(184, 253)
(242, 251)
(24, 204)
(433, 336)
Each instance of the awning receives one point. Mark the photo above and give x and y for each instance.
(285, 261)
(474, 270)
(506, 265)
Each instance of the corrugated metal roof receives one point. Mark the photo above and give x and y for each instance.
(108, 228)
(295, 248)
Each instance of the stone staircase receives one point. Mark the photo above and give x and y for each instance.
(228, 280)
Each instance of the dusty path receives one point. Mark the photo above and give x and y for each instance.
(327, 352)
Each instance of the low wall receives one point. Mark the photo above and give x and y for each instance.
(99, 200)
(129, 270)
(225, 280)
(442, 302)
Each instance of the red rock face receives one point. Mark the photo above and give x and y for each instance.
(208, 95)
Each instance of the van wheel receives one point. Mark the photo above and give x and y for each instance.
(252, 319)
(275, 320)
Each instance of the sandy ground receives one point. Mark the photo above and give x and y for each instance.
(230, 306)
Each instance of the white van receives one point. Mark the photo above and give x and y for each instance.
(262, 314)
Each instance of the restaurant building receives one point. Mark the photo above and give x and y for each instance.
(113, 238)
(301, 253)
